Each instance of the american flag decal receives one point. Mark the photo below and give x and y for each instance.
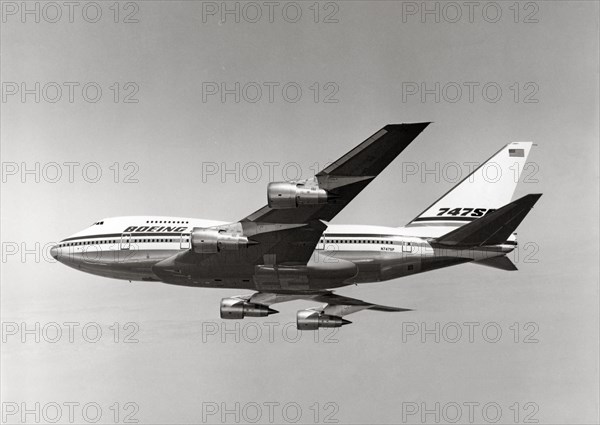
(516, 152)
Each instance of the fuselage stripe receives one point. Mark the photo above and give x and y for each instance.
(118, 235)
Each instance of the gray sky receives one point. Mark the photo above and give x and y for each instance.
(178, 134)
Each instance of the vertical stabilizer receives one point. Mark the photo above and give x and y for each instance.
(486, 189)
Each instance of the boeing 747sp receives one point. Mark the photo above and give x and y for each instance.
(287, 250)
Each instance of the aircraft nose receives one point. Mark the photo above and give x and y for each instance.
(54, 252)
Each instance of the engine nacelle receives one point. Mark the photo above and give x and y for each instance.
(236, 308)
(211, 241)
(282, 195)
(310, 320)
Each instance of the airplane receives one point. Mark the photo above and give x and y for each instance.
(288, 250)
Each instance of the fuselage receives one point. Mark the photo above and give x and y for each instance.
(134, 248)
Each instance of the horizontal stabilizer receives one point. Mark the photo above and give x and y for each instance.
(502, 263)
(334, 299)
(493, 228)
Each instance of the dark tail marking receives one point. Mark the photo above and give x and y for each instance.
(492, 229)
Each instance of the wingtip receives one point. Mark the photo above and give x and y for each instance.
(423, 125)
(399, 126)
(377, 307)
(398, 310)
(529, 198)
(534, 196)
(414, 128)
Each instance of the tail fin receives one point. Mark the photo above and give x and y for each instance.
(486, 189)
(495, 228)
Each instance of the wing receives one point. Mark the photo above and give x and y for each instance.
(348, 176)
(343, 180)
